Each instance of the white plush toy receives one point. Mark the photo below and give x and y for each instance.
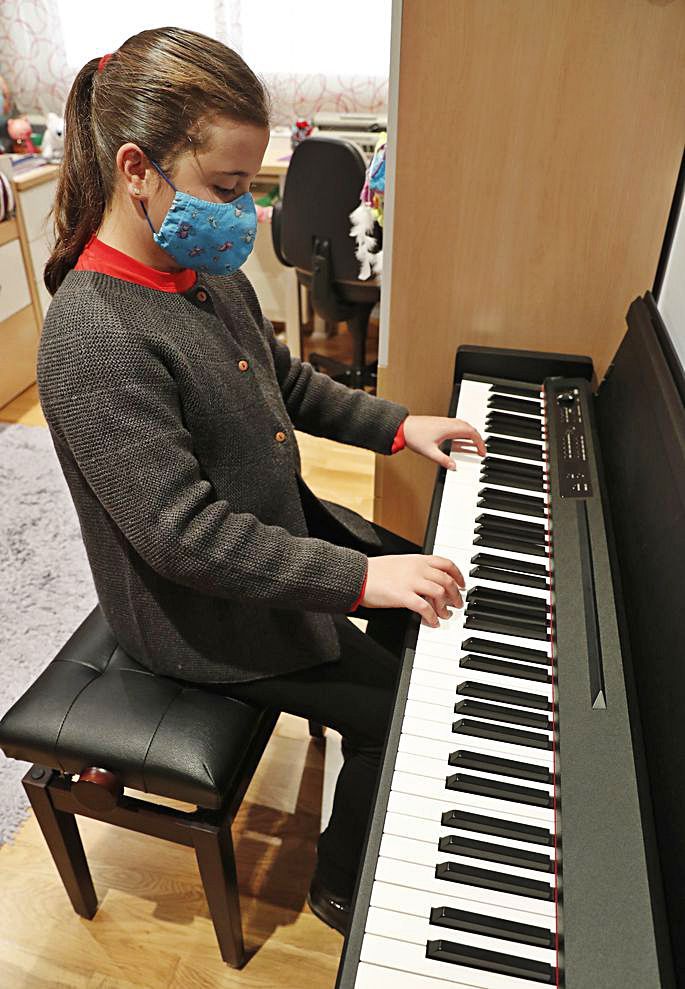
(52, 147)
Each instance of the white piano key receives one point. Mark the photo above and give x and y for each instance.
(418, 930)
(419, 786)
(421, 853)
(423, 877)
(450, 681)
(418, 903)
(416, 724)
(455, 635)
(409, 762)
(431, 748)
(375, 976)
(406, 826)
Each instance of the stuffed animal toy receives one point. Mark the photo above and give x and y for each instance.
(15, 135)
(52, 148)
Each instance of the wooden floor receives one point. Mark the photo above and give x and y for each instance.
(152, 929)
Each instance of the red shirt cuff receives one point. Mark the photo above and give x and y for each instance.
(399, 442)
(361, 594)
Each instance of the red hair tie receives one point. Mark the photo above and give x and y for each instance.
(103, 61)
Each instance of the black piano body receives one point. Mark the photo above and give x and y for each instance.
(619, 583)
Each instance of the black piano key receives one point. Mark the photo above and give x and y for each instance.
(536, 529)
(512, 466)
(478, 923)
(491, 961)
(507, 577)
(495, 477)
(489, 692)
(526, 653)
(530, 627)
(495, 426)
(503, 767)
(511, 419)
(506, 563)
(523, 602)
(497, 712)
(503, 882)
(506, 404)
(502, 733)
(530, 501)
(501, 667)
(499, 627)
(510, 545)
(496, 531)
(522, 390)
(497, 790)
(519, 858)
(513, 448)
(486, 608)
(464, 820)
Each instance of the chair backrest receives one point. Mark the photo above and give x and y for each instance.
(322, 187)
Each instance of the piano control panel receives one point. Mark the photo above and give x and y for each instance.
(572, 444)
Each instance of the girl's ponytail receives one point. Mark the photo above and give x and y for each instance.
(80, 197)
(159, 87)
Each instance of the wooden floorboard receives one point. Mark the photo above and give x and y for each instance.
(152, 929)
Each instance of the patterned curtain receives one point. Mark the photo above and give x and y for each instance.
(34, 64)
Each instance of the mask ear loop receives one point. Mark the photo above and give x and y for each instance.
(142, 205)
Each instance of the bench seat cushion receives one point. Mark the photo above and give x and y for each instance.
(94, 705)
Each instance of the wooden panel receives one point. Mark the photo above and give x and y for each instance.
(18, 349)
(8, 231)
(538, 146)
(14, 289)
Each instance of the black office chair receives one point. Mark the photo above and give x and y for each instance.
(311, 233)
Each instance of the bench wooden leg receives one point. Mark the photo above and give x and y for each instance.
(215, 859)
(61, 834)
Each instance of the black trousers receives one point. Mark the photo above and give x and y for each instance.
(354, 696)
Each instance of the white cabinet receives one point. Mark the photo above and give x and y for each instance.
(18, 336)
(35, 193)
(14, 286)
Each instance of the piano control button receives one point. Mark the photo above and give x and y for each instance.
(501, 854)
(479, 923)
(487, 692)
(502, 733)
(499, 790)
(497, 712)
(509, 577)
(454, 872)
(500, 667)
(473, 644)
(512, 545)
(491, 961)
(515, 830)
(506, 563)
(500, 627)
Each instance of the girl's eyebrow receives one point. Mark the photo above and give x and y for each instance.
(245, 174)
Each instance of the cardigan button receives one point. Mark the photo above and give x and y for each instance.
(201, 296)
(280, 436)
(243, 365)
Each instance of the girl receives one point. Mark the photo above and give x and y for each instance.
(172, 409)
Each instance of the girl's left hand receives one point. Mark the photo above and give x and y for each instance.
(424, 434)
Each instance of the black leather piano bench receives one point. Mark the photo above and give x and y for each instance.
(96, 721)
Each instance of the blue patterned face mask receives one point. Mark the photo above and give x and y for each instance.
(215, 238)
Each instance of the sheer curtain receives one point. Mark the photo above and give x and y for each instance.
(312, 55)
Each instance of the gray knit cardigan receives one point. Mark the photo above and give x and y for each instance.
(172, 416)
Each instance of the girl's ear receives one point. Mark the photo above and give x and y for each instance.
(134, 167)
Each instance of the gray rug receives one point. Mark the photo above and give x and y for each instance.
(46, 587)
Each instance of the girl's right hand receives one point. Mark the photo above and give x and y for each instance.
(424, 584)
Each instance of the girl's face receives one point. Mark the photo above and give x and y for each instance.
(224, 167)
